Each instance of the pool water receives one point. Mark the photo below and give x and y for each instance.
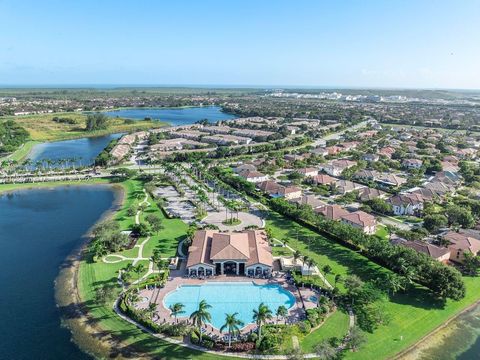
(228, 298)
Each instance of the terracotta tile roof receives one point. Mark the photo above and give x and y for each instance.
(229, 246)
(360, 218)
(323, 179)
(332, 212)
(465, 240)
(210, 245)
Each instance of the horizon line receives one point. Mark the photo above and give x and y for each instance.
(223, 86)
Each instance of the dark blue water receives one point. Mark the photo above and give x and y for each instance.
(79, 151)
(174, 116)
(38, 230)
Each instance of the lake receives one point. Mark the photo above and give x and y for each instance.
(38, 230)
(174, 116)
(459, 340)
(83, 150)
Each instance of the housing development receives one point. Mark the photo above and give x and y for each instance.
(292, 225)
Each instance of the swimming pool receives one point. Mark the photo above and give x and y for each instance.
(230, 297)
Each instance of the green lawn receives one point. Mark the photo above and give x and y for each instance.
(413, 315)
(21, 153)
(93, 274)
(335, 326)
(11, 187)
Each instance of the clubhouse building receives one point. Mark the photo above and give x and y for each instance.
(235, 253)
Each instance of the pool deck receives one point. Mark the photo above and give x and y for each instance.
(296, 313)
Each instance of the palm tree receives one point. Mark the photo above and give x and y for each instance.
(282, 312)
(261, 315)
(152, 307)
(296, 255)
(200, 316)
(176, 309)
(233, 325)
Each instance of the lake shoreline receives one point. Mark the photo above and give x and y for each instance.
(434, 337)
(89, 338)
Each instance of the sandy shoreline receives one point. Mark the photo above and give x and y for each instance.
(86, 334)
(100, 344)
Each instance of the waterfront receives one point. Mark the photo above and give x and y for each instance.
(458, 340)
(38, 230)
(174, 116)
(81, 151)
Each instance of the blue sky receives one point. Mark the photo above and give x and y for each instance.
(362, 43)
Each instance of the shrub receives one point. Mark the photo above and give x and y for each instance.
(305, 327)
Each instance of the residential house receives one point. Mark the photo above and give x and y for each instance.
(332, 212)
(407, 204)
(370, 157)
(361, 220)
(367, 194)
(336, 167)
(253, 176)
(311, 200)
(412, 163)
(308, 172)
(346, 186)
(462, 242)
(438, 253)
(323, 179)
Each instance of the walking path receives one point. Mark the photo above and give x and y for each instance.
(324, 279)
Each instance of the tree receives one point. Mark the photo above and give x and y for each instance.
(435, 222)
(471, 263)
(233, 325)
(282, 312)
(104, 293)
(261, 315)
(380, 206)
(155, 222)
(96, 121)
(458, 215)
(356, 338)
(338, 279)
(325, 351)
(124, 173)
(152, 308)
(139, 269)
(176, 309)
(201, 316)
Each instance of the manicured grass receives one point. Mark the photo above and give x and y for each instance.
(41, 127)
(21, 153)
(335, 326)
(413, 314)
(323, 251)
(94, 274)
(11, 187)
(382, 232)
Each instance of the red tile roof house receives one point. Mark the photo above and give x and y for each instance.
(307, 172)
(462, 242)
(361, 220)
(253, 176)
(276, 190)
(387, 151)
(370, 194)
(435, 252)
(323, 179)
(243, 253)
(407, 204)
(332, 212)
